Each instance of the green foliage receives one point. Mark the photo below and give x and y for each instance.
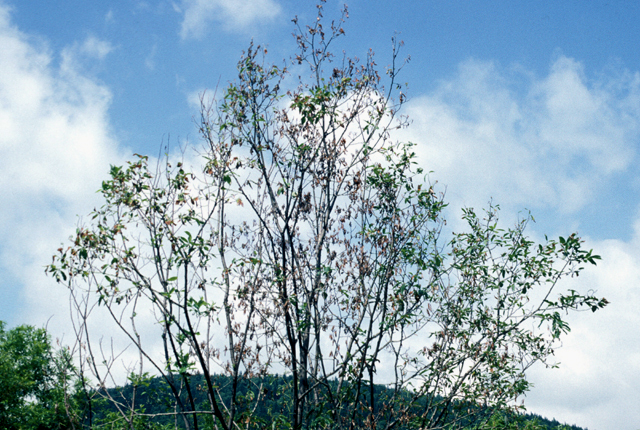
(503, 420)
(273, 411)
(34, 380)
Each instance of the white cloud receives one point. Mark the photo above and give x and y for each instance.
(524, 141)
(95, 48)
(55, 148)
(235, 15)
(553, 142)
(196, 98)
(598, 382)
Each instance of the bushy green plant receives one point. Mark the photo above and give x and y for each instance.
(36, 381)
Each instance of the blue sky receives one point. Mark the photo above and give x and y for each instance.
(533, 104)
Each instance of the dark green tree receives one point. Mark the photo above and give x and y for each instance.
(35, 381)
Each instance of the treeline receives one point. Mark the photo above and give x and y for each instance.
(156, 404)
(39, 390)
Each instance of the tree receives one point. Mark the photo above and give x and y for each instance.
(309, 245)
(34, 380)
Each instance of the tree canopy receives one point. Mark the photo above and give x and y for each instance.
(34, 380)
(309, 243)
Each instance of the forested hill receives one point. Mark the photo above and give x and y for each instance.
(550, 424)
(153, 397)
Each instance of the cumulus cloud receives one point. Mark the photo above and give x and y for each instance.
(55, 147)
(235, 15)
(551, 143)
(597, 383)
(527, 141)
